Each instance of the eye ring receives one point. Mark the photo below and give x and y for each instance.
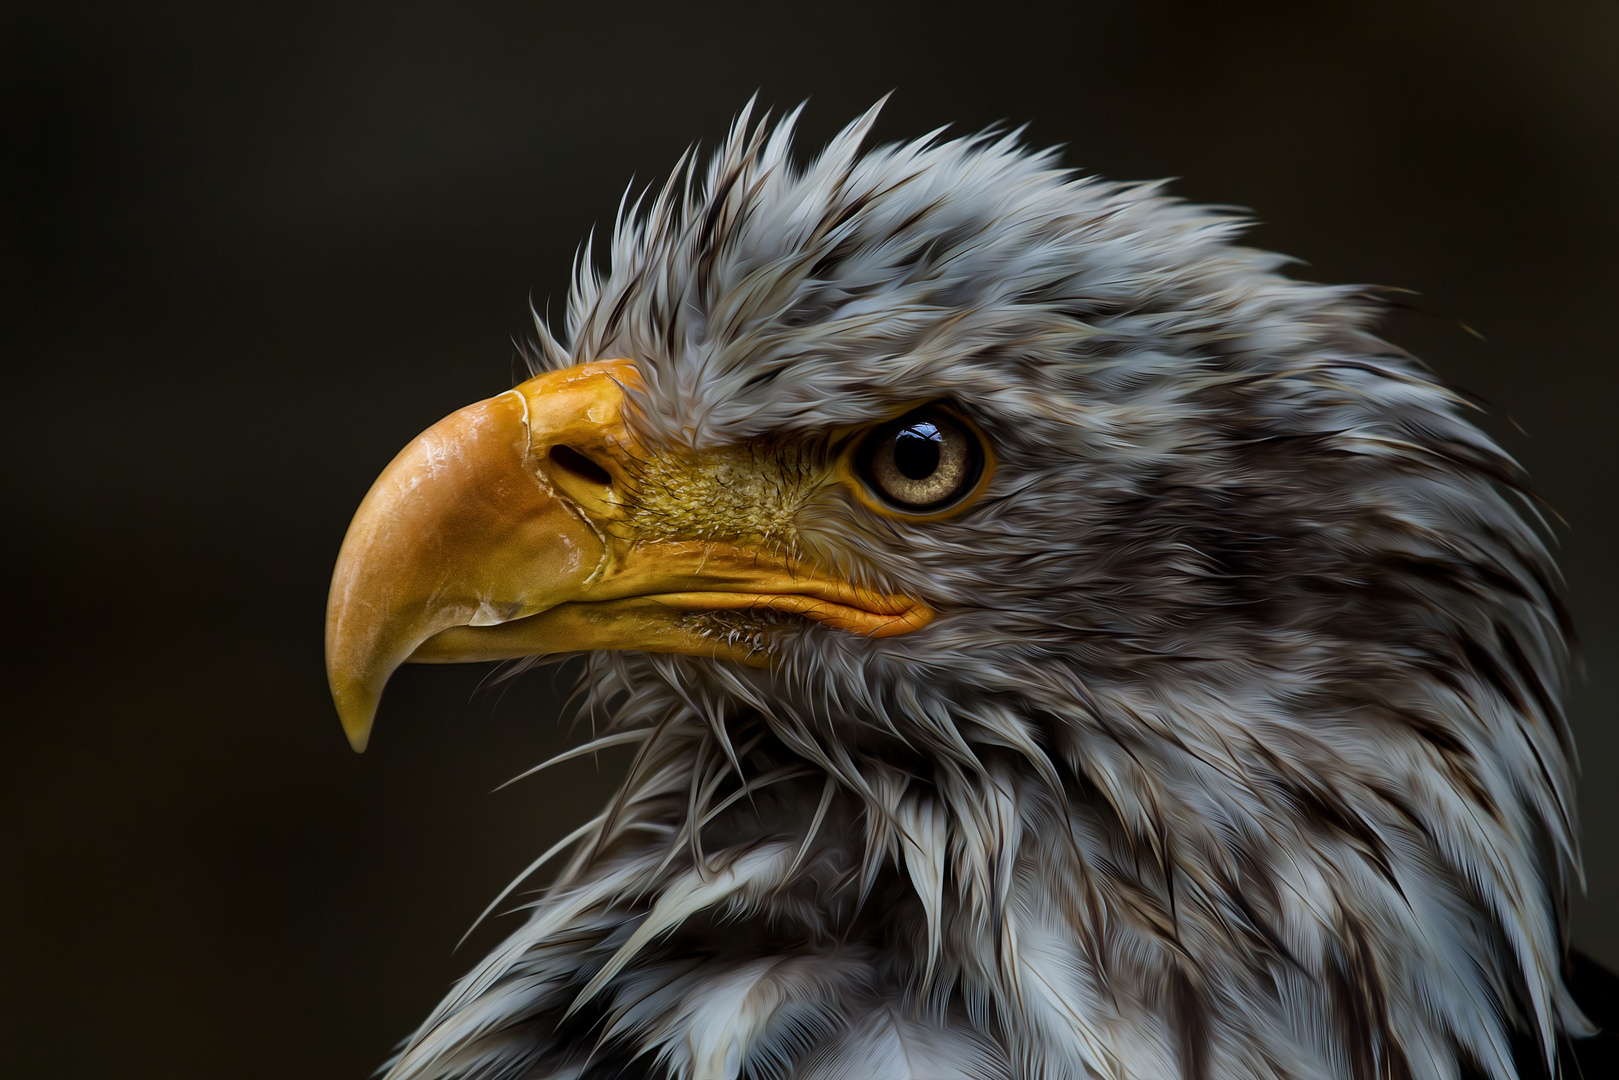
(926, 461)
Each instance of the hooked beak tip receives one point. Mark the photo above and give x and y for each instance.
(357, 717)
(359, 737)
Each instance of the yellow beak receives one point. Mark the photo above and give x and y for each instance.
(500, 533)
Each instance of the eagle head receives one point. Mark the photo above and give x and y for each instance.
(1056, 643)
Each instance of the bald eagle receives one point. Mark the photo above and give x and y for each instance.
(1055, 644)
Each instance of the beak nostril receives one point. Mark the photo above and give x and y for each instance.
(572, 461)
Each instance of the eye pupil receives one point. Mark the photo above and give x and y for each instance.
(916, 450)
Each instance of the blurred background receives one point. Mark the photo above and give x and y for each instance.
(248, 251)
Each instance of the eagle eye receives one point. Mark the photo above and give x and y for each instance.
(921, 462)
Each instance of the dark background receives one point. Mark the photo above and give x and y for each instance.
(249, 251)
